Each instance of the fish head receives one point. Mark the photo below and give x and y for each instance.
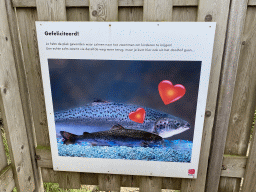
(167, 127)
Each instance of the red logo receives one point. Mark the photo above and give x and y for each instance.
(191, 172)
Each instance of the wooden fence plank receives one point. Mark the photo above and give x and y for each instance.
(108, 182)
(51, 10)
(55, 10)
(103, 10)
(226, 91)
(12, 110)
(233, 166)
(248, 67)
(26, 22)
(25, 96)
(150, 184)
(252, 3)
(124, 3)
(121, 3)
(89, 179)
(77, 14)
(249, 183)
(77, 3)
(130, 14)
(27, 29)
(217, 11)
(6, 179)
(184, 14)
(244, 98)
(3, 160)
(157, 10)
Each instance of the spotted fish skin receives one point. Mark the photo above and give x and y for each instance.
(111, 113)
(117, 135)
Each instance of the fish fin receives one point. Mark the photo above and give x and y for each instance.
(97, 100)
(117, 126)
(69, 138)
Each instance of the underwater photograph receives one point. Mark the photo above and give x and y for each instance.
(125, 109)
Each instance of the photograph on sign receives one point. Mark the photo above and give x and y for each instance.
(127, 102)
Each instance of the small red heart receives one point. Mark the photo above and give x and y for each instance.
(170, 93)
(138, 116)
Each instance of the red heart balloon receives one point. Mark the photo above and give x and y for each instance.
(138, 116)
(170, 93)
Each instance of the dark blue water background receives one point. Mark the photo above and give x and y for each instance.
(75, 83)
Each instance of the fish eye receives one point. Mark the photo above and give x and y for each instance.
(177, 124)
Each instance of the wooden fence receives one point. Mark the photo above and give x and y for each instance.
(230, 103)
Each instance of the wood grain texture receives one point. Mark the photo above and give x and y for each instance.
(150, 184)
(24, 93)
(103, 10)
(130, 14)
(121, 3)
(89, 178)
(109, 182)
(229, 184)
(27, 29)
(244, 98)
(92, 178)
(219, 10)
(226, 91)
(184, 14)
(157, 10)
(171, 183)
(12, 111)
(51, 10)
(6, 179)
(66, 180)
(3, 160)
(233, 166)
(252, 2)
(55, 10)
(248, 73)
(77, 14)
(249, 184)
(77, 3)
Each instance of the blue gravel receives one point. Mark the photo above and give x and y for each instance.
(170, 151)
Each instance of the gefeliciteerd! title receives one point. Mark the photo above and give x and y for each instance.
(57, 33)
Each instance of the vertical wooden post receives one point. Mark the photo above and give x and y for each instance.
(245, 92)
(51, 10)
(150, 184)
(25, 98)
(217, 11)
(55, 10)
(12, 110)
(236, 22)
(109, 182)
(249, 176)
(105, 10)
(156, 10)
(3, 159)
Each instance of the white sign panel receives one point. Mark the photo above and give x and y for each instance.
(126, 98)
